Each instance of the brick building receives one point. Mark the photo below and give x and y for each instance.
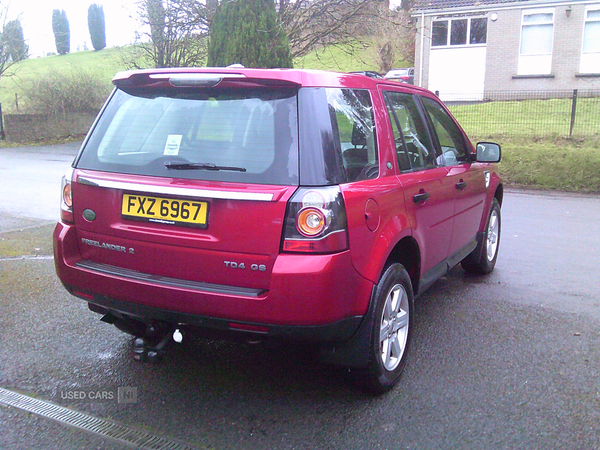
(466, 47)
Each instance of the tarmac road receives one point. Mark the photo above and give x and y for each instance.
(30, 179)
(505, 361)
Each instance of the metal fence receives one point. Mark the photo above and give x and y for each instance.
(528, 113)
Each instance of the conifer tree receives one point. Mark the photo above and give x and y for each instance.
(247, 32)
(14, 41)
(97, 26)
(62, 33)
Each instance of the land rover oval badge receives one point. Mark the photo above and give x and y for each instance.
(89, 215)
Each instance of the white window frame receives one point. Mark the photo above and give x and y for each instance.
(536, 64)
(448, 37)
(590, 61)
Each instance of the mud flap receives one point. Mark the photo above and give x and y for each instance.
(355, 352)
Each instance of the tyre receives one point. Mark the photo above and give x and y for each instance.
(391, 330)
(483, 259)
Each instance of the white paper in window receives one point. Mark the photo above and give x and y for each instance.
(172, 145)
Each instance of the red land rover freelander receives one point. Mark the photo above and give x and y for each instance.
(287, 204)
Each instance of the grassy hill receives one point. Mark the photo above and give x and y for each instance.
(105, 63)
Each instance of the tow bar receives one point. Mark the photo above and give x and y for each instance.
(148, 350)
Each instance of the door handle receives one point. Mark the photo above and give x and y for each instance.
(420, 198)
(461, 185)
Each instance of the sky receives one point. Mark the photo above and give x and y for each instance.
(36, 19)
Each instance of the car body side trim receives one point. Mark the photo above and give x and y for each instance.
(182, 192)
(438, 271)
(171, 282)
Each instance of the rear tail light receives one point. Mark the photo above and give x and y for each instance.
(66, 198)
(316, 222)
(311, 221)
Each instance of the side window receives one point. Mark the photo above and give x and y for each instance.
(450, 138)
(351, 113)
(590, 53)
(537, 34)
(413, 147)
(459, 31)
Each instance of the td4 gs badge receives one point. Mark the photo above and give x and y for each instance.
(255, 267)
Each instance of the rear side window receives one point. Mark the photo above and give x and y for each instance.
(352, 120)
(241, 135)
(337, 136)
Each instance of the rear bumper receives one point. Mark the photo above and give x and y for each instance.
(339, 331)
(310, 297)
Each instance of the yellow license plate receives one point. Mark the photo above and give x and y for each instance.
(189, 213)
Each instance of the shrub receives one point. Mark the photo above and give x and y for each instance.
(67, 91)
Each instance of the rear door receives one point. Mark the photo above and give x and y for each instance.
(189, 183)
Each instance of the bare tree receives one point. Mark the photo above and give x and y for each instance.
(311, 24)
(393, 37)
(407, 5)
(178, 33)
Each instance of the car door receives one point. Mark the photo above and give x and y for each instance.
(428, 198)
(467, 177)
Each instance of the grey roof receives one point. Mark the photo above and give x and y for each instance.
(420, 5)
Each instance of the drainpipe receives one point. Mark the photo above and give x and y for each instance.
(422, 42)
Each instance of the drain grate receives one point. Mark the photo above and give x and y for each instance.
(27, 258)
(129, 436)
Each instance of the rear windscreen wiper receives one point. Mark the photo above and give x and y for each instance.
(200, 166)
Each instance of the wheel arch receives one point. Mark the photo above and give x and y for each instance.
(499, 193)
(407, 253)
(355, 352)
(496, 191)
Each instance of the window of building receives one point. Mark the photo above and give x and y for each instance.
(537, 31)
(439, 33)
(590, 56)
(478, 32)
(459, 31)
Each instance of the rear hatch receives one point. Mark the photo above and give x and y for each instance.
(188, 178)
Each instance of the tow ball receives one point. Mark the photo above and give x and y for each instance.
(152, 351)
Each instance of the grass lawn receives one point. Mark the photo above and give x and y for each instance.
(536, 150)
(334, 59)
(557, 164)
(536, 118)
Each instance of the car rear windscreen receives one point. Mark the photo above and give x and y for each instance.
(238, 135)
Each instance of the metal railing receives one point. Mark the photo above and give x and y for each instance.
(528, 113)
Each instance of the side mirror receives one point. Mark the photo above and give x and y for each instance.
(488, 152)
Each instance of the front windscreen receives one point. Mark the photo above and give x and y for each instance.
(237, 135)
